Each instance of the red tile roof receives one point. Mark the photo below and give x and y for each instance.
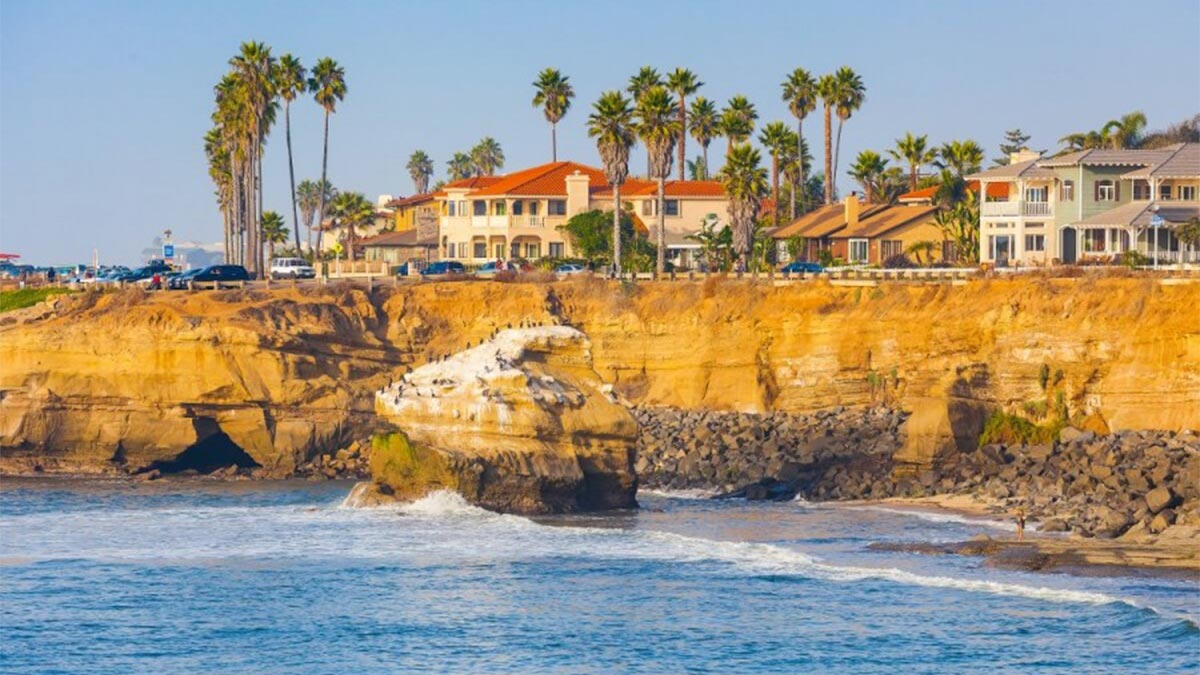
(926, 194)
(680, 188)
(547, 180)
(470, 183)
(409, 201)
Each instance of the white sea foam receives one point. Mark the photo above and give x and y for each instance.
(941, 517)
(679, 494)
(443, 503)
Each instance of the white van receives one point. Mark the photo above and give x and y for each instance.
(291, 268)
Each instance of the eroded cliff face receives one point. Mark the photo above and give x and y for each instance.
(125, 380)
(520, 423)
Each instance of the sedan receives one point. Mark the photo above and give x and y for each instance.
(798, 267)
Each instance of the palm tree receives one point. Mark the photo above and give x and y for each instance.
(800, 94)
(745, 184)
(851, 94)
(308, 193)
(349, 211)
(775, 138)
(1189, 234)
(420, 169)
(683, 83)
(460, 166)
(696, 169)
(925, 246)
(328, 86)
(827, 89)
(659, 129)
(274, 231)
(646, 79)
(1125, 132)
(289, 84)
(866, 170)
(704, 125)
(962, 157)
(916, 151)
(794, 163)
(737, 121)
(487, 157)
(554, 94)
(253, 67)
(611, 124)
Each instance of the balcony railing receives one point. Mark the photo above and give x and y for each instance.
(1037, 209)
(1000, 209)
(528, 221)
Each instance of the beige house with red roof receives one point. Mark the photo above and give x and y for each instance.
(518, 215)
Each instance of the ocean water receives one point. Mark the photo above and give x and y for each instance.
(201, 577)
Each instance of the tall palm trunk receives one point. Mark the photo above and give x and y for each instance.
(287, 123)
(837, 150)
(258, 190)
(553, 142)
(321, 187)
(706, 172)
(661, 265)
(682, 155)
(803, 178)
(828, 153)
(617, 230)
(912, 178)
(775, 186)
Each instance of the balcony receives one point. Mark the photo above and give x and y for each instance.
(528, 221)
(1000, 209)
(1037, 209)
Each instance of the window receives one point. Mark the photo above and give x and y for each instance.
(671, 206)
(858, 250)
(518, 207)
(648, 207)
(1164, 192)
(1035, 226)
(558, 207)
(450, 251)
(450, 209)
(533, 208)
(1141, 190)
(1037, 194)
(889, 248)
(1106, 191)
(462, 208)
(499, 208)
(556, 250)
(1187, 193)
(1067, 192)
(533, 251)
(1095, 241)
(497, 251)
(480, 207)
(480, 250)
(1035, 242)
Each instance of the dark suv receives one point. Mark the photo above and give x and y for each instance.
(444, 269)
(220, 274)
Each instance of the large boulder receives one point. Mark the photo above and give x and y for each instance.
(520, 423)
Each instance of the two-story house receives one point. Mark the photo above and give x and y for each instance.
(518, 215)
(1054, 209)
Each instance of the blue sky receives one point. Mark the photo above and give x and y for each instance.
(103, 104)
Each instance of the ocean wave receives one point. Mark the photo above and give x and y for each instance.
(942, 517)
(679, 494)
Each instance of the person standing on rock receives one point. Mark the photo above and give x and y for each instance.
(1020, 524)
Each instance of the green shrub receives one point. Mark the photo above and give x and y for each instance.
(1036, 409)
(27, 297)
(1044, 376)
(1011, 429)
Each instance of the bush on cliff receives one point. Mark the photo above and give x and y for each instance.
(1011, 429)
(27, 297)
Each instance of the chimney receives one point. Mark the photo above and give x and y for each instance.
(852, 209)
(1022, 155)
(577, 192)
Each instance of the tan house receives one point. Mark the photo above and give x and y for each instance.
(865, 234)
(397, 248)
(518, 215)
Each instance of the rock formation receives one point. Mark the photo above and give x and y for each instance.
(519, 423)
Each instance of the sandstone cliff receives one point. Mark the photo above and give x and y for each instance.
(126, 380)
(519, 423)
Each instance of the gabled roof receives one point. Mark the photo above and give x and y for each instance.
(401, 238)
(1027, 169)
(1138, 214)
(824, 221)
(883, 221)
(547, 180)
(1110, 157)
(926, 194)
(1183, 162)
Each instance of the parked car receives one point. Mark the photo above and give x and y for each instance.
(157, 281)
(487, 270)
(180, 281)
(291, 268)
(444, 269)
(806, 267)
(220, 274)
(569, 269)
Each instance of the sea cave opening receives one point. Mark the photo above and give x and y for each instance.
(213, 450)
